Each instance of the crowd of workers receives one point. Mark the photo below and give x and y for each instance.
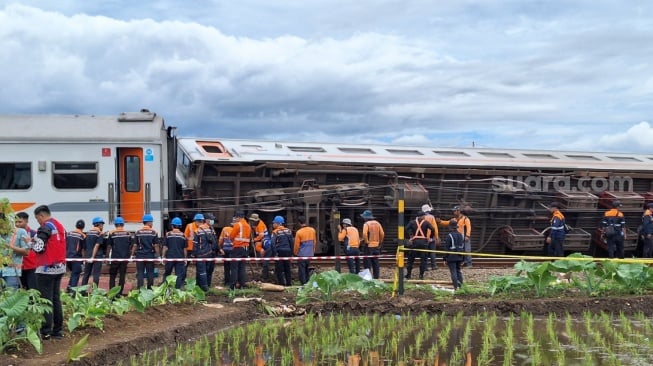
(31, 266)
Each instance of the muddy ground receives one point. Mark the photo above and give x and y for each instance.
(167, 325)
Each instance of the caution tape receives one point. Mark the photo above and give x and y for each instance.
(222, 259)
(534, 257)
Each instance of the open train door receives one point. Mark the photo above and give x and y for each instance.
(131, 188)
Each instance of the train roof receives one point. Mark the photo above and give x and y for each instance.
(243, 151)
(81, 128)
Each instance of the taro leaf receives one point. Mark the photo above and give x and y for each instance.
(113, 292)
(34, 340)
(73, 321)
(631, 274)
(523, 266)
(137, 304)
(571, 265)
(15, 304)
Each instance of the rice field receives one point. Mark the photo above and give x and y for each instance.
(421, 339)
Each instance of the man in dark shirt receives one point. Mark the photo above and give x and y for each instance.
(174, 249)
(146, 246)
(120, 242)
(95, 249)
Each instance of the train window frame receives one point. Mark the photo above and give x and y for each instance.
(625, 159)
(494, 154)
(9, 182)
(448, 153)
(84, 174)
(540, 156)
(404, 152)
(132, 173)
(357, 150)
(307, 149)
(582, 157)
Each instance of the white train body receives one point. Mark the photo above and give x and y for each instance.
(83, 167)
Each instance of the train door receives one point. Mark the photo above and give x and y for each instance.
(131, 188)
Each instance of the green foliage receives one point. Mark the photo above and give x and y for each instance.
(538, 274)
(21, 307)
(6, 222)
(75, 351)
(326, 286)
(589, 282)
(88, 309)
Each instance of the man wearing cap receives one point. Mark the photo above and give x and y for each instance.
(119, 247)
(348, 235)
(373, 236)
(260, 233)
(419, 231)
(465, 228)
(282, 244)
(453, 242)
(646, 231)
(305, 244)
(557, 233)
(614, 230)
(240, 236)
(146, 246)
(435, 239)
(95, 249)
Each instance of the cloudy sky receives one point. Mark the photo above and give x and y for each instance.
(574, 75)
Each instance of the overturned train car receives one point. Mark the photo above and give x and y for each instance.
(504, 192)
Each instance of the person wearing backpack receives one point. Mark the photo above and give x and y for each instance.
(454, 242)
(614, 225)
(348, 235)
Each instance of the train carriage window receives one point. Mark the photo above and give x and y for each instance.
(490, 154)
(583, 157)
(75, 175)
(356, 150)
(313, 149)
(539, 156)
(132, 173)
(404, 152)
(15, 176)
(623, 158)
(451, 153)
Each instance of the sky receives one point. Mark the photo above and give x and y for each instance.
(553, 75)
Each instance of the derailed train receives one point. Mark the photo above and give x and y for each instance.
(126, 165)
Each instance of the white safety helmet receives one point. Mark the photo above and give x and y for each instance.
(426, 208)
(346, 222)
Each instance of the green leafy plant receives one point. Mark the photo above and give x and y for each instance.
(539, 275)
(75, 351)
(21, 308)
(589, 282)
(88, 309)
(326, 285)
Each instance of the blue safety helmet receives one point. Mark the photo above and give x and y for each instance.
(119, 221)
(278, 220)
(97, 220)
(176, 221)
(367, 214)
(148, 218)
(198, 217)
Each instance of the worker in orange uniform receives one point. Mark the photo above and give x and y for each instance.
(373, 236)
(191, 228)
(261, 242)
(419, 231)
(557, 233)
(240, 237)
(435, 239)
(465, 228)
(348, 235)
(226, 245)
(305, 245)
(614, 230)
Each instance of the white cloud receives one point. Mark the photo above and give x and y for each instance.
(511, 74)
